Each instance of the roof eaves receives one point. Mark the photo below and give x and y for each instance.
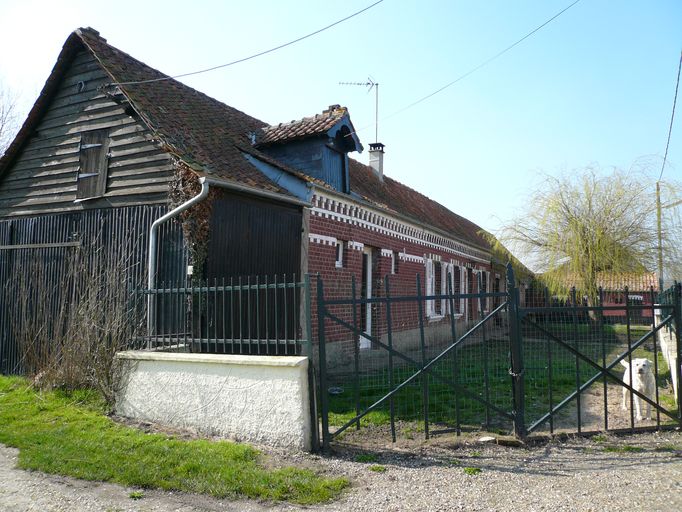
(42, 103)
(363, 200)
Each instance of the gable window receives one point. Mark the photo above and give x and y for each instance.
(339, 254)
(93, 164)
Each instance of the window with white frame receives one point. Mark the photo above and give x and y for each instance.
(430, 286)
(457, 288)
(339, 253)
(483, 287)
(438, 281)
(446, 287)
(452, 286)
(435, 280)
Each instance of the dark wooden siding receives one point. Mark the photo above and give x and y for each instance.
(43, 178)
(253, 237)
(35, 253)
(314, 158)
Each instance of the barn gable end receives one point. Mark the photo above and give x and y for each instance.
(44, 175)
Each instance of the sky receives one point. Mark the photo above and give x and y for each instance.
(593, 87)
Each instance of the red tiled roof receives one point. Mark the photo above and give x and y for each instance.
(206, 133)
(302, 128)
(212, 137)
(394, 196)
(617, 281)
(612, 281)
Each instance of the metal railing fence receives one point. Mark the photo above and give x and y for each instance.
(245, 315)
(537, 365)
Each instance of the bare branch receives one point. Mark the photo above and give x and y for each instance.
(589, 221)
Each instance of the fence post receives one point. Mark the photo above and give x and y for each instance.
(308, 351)
(324, 400)
(677, 316)
(516, 354)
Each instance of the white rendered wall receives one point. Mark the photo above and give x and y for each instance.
(258, 399)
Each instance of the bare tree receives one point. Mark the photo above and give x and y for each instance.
(9, 123)
(71, 312)
(578, 225)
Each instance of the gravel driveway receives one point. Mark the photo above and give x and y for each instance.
(642, 472)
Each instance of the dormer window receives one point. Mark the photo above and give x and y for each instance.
(93, 164)
(317, 146)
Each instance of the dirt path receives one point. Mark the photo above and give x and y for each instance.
(642, 472)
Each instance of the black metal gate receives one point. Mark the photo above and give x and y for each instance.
(487, 361)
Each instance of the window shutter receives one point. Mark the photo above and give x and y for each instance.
(445, 277)
(464, 288)
(456, 285)
(93, 164)
(429, 287)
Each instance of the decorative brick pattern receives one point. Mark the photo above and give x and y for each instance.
(364, 228)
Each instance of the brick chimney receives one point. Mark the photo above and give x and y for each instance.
(376, 159)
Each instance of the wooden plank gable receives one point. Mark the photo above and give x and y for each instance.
(86, 146)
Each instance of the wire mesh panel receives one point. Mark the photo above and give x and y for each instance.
(436, 361)
(421, 368)
(580, 359)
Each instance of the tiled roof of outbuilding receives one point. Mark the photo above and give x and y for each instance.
(615, 281)
(611, 281)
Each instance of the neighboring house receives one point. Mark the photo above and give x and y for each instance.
(108, 149)
(640, 289)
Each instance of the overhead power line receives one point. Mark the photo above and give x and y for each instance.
(672, 117)
(483, 64)
(259, 54)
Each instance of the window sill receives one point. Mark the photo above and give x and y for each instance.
(435, 318)
(83, 199)
(338, 265)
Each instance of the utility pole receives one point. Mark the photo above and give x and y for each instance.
(658, 185)
(659, 215)
(660, 236)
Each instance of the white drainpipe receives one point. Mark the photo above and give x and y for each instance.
(153, 244)
(154, 230)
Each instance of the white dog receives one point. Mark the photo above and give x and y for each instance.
(643, 382)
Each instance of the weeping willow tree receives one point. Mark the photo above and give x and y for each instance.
(576, 226)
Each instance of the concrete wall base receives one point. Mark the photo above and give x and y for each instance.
(258, 399)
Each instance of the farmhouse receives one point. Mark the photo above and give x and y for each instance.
(117, 158)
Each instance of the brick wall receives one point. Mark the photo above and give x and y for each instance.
(337, 281)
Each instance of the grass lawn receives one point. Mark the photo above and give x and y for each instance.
(69, 434)
(470, 368)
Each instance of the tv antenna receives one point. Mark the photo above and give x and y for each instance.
(370, 84)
